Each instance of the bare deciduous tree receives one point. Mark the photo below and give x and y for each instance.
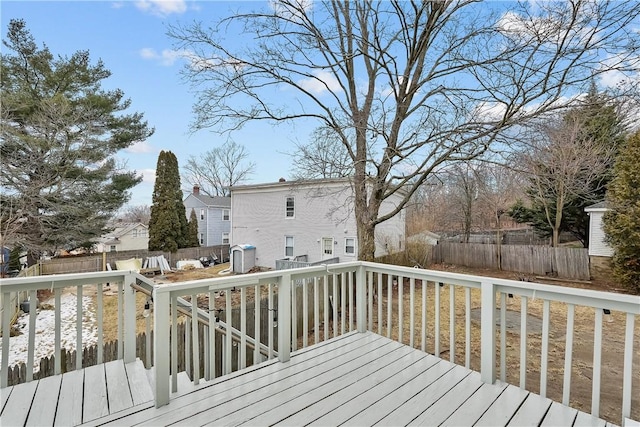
(219, 168)
(323, 157)
(561, 164)
(420, 84)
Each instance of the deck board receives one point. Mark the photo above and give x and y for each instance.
(43, 412)
(354, 379)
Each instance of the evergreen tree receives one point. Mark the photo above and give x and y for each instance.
(193, 230)
(59, 133)
(622, 222)
(168, 230)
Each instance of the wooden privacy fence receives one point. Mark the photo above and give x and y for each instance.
(82, 264)
(567, 263)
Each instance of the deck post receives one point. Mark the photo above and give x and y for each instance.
(488, 333)
(129, 319)
(284, 318)
(361, 298)
(161, 346)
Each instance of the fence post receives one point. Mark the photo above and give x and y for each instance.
(161, 345)
(129, 319)
(284, 318)
(488, 333)
(361, 298)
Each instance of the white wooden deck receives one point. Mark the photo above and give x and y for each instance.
(356, 379)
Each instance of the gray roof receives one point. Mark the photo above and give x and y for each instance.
(600, 205)
(218, 201)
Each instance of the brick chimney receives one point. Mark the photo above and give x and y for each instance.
(196, 190)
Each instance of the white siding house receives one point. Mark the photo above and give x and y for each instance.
(125, 237)
(597, 244)
(307, 220)
(214, 217)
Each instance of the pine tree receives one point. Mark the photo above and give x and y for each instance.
(60, 131)
(168, 228)
(193, 230)
(622, 221)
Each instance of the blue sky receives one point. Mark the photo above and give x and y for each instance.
(130, 37)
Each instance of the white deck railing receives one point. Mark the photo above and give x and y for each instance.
(426, 309)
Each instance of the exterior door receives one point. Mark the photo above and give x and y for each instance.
(327, 247)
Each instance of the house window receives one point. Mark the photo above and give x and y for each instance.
(201, 213)
(225, 214)
(290, 207)
(134, 232)
(112, 248)
(202, 238)
(327, 246)
(350, 246)
(288, 246)
(225, 238)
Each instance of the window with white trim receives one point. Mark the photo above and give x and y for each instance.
(350, 246)
(290, 207)
(288, 246)
(134, 232)
(201, 214)
(202, 238)
(225, 214)
(225, 238)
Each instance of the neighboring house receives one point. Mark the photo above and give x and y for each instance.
(306, 220)
(597, 244)
(214, 217)
(125, 237)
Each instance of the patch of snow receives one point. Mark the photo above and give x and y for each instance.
(45, 330)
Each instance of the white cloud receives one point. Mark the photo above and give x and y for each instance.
(322, 82)
(162, 7)
(167, 57)
(140, 147)
(614, 77)
(148, 176)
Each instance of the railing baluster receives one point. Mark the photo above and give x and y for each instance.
(174, 342)
(187, 346)
(161, 313)
(294, 315)
(597, 360)
(120, 319)
(79, 329)
(212, 332)
(523, 342)
(452, 323)
(334, 286)
(33, 303)
(284, 317)
(343, 304)
(566, 388)
(6, 328)
(100, 326)
(544, 352)
(325, 289)
(349, 283)
(270, 317)
(627, 377)
(305, 313)
(467, 335)
(316, 309)
(423, 343)
(380, 304)
(370, 300)
(389, 304)
(257, 304)
(228, 318)
(488, 331)
(194, 339)
(412, 293)
(58, 334)
(400, 308)
(436, 314)
(503, 337)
